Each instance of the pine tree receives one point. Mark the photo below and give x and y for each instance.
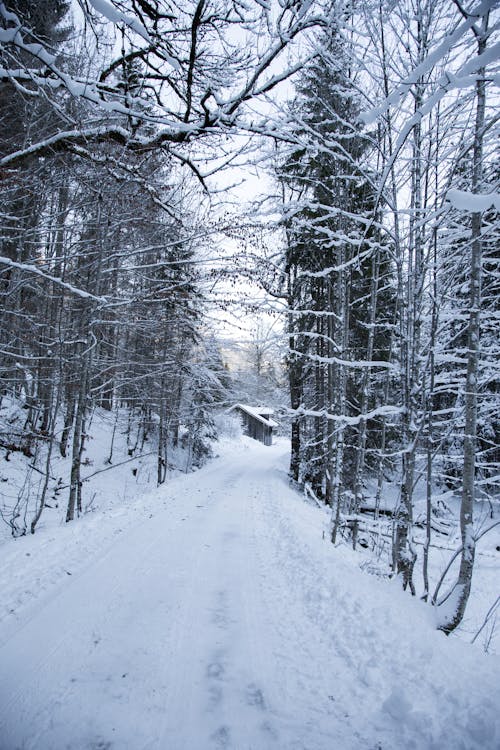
(336, 265)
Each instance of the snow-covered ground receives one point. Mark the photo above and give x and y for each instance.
(209, 614)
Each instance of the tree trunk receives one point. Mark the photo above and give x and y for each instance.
(365, 388)
(461, 591)
(75, 480)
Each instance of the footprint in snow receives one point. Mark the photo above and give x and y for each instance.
(269, 730)
(215, 696)
(221, 737)
(219, 612)
(215, 674)
(215, 671)
(255, 697)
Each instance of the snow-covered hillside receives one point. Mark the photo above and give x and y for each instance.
(209, 614)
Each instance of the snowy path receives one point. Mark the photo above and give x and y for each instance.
(223, 621)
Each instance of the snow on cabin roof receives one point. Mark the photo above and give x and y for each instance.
(257, 412)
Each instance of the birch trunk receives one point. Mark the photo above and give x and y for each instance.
(343, 315)
(460, 593)
(86, 326)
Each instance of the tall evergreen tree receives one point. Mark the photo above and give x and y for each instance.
(336, 264)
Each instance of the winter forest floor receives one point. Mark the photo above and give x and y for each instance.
(211, 614)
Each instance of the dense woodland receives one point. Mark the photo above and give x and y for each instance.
(377, 244)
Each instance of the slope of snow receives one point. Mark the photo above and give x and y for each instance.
(212, 615)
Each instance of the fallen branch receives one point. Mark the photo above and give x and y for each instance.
(113, 466)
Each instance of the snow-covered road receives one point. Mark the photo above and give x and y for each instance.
(224, 620)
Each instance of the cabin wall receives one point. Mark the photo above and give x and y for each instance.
(255, 429)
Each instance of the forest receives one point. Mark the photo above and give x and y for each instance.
(128, 128)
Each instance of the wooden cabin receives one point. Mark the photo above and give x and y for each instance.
(257, 422)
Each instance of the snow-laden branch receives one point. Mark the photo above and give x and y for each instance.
(29, 268)
(198, 102)
(114, 15)
(448, 80)
(464, 200)
(380, 411)
(61, 142)
(354, 364)
(331, 270)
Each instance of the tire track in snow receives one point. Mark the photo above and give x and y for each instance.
(53, 641)
(224, 705)
(308, 718)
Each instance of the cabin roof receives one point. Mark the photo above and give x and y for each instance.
(256, 412)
